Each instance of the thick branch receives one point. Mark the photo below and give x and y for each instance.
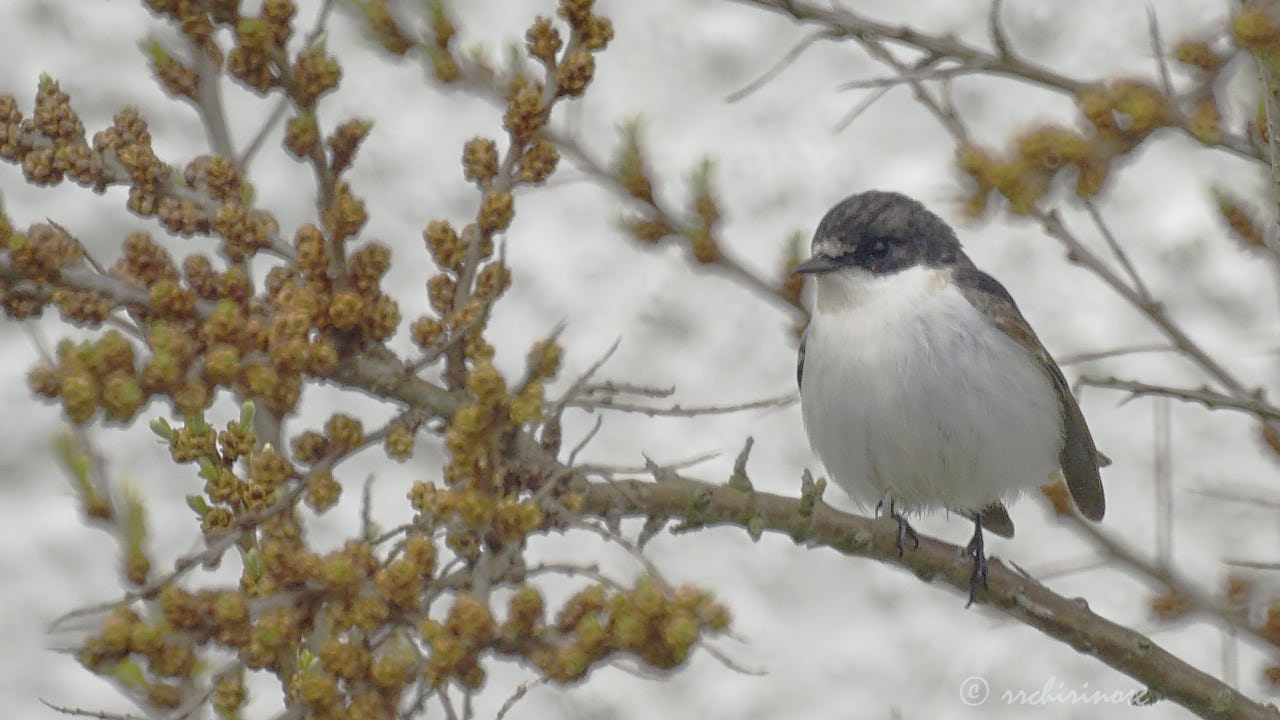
(1018, 596)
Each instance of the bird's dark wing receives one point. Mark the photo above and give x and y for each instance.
(800, 361)
(1079, 458)
(996, 519)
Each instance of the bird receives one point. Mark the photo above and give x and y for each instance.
(922, 386)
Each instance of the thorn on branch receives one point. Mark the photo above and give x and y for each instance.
(739, 480)
(810, 493)
(653, 525)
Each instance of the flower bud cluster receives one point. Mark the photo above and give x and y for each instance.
(346, 632)
(1120, 114)
(51, 143)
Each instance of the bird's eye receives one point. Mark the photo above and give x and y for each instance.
(878, 249)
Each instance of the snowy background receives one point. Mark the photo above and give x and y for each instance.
(838, 637)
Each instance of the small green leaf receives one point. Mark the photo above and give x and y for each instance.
(161, 427)
(253, 564)
(246, 416)
(198, 504)
(208, 470)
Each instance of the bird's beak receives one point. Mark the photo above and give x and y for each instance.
(816, 265)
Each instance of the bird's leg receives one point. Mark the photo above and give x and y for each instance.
(975, 550)
(905, 531)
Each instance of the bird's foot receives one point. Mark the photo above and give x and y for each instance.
(905, 531)
(979, 575)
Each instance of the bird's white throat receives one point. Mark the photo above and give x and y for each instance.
(907, 388)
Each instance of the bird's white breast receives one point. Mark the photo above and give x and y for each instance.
(909, 389)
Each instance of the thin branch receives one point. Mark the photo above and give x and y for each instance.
(615, 387)
(860, 108)
(647, 468)
(260, 137)
(209, 105)
(1080, 254)
(1157, 45)
(446, 703)
(731, 663)
(1171, 581)
(576, 388)
(1118, 251)
(843, 21)
(632, 549)
(366, 509)
(931, 73)
(792, 55)
(726, 263)
(1239, 493)
(1163, 481)
(847, 22)
(678, 410)
(448, 341)
(573, 454)
(1209, 398)
(520, 692)
(1116, 352)
(1253, 564)
(571, 570)
(995, 28)
(943, 113)
(77, 712)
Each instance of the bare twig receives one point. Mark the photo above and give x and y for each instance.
(366, 508)
(209, 105)
(1157, 46)
(726, 263)
(260, 137)
(843, 21)
(599, 469)
(615, 387)
(848, 22)
(446, 703)
(576, 388)
(632, 549)
(1253, 564)
(520, 692)
(1240, 493)
(1163, 471)
(573, 454)
(1155, 312)
(1170, 580)
(1209, 398)
(929, 73)
(860, 108)
(77, 712)
(1118, 251)
(731, 663)
(678, 410)
(1116, 352)
(995, 28)
(792, 55)
(572, 570)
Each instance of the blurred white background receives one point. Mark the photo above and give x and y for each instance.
(837, 637)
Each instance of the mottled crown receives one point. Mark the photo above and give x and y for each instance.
(884, 232)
